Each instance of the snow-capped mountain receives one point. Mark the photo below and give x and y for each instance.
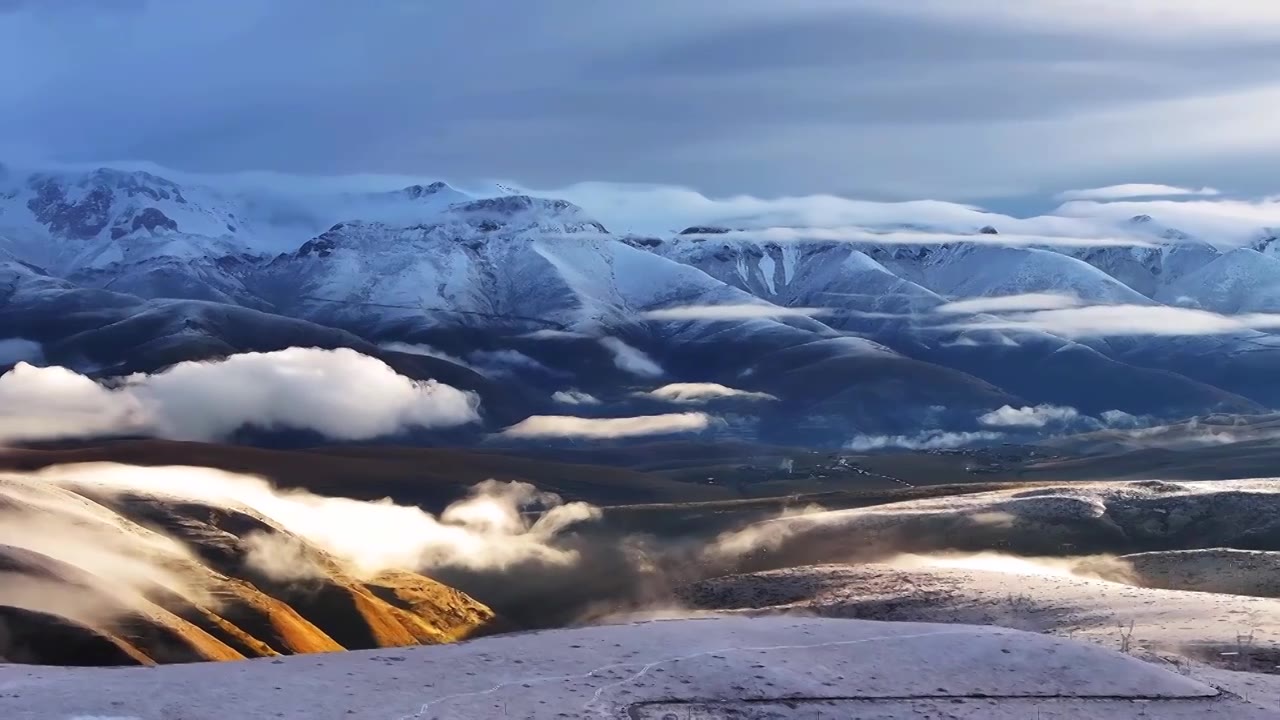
(116, 270)
(498, 258)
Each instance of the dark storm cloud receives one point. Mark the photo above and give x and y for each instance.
(868, 96)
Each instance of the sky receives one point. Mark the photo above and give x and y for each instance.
(882, 99)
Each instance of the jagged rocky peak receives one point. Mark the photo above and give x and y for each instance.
(705, 230)
(524, 211)
(130, 183)
(323, 244)
(152, 220)
(83, 205)
(415, 192)
(642, 241)
(513, 204)
(1267, 242)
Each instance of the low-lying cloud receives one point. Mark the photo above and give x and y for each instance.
(745, 311)
(1037, 416)
(507, 362)
(1126, 320)
(489, 528)
(861, 235)
(574, 397)
(426, 351)
(630, 359)
(567, 426)
(1009, 303)
(51, 403)
(691, 393)
(341, 394)
(1135, 190)
(926, 440)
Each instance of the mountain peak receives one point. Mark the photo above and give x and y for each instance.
(418, 191)
(491, 214)
(704, 230)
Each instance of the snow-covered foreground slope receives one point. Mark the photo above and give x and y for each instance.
(1063, 597)
(709, 668)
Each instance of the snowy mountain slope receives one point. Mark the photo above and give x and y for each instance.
(513, 272)
(862, 293)
(138, 233)
(509, 257)
(1149, 270)
(105, 334)
(887, 292)
(971, 270)
(1242, 280)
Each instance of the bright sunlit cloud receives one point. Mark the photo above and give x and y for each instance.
(566, 426)
(341, 394)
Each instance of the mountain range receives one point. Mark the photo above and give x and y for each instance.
(527, 301)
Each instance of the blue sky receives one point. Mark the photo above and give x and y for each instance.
(1005, 101)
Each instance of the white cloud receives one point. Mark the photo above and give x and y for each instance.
(15, 350)
(487, 529)
(545, 426)
(426, 351)
(50, 403)
(1134, 190)
(731, 312)
(1122, 419)
(1222, 222)
(1005, 303)
(338, 393)
(631, 359)
(927, 440)
(1126, 320)
(549, 334)
(1036, 417)
(574, 397)
(701, 393)
(911, 237)
(506, 361)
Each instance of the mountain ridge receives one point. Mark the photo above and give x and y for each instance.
(108, 263)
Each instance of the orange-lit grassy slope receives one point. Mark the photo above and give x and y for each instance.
(130, 579)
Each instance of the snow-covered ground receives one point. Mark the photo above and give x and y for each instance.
(680, 669)
(1206, 636)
